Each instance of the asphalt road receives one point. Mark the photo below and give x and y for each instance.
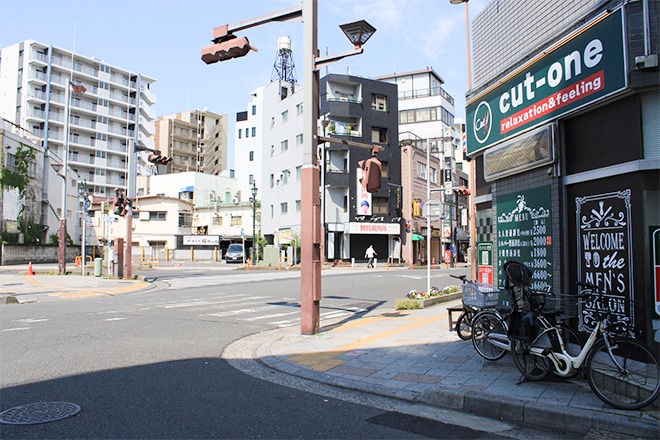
(148, 365)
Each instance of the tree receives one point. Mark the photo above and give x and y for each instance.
(17, 177)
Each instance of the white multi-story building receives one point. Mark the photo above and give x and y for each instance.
(111, 112)
(268, 151)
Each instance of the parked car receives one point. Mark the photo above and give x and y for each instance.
(235, 253)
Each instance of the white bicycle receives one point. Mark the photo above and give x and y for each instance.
(621, 371)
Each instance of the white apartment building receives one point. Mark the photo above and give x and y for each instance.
(268, 151)
(39, 87)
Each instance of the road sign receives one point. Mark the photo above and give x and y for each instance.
(432, 209)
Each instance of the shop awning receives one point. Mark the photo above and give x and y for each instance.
(461, 235)
(417, 237)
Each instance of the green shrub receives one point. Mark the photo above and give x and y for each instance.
(407, 304)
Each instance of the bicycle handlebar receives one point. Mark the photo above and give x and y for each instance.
(460, 277)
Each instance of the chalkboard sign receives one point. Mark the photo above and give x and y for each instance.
(524, 233)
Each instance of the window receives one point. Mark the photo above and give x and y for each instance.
(240, 133)
(272, 211)
(236, 220)
(102, 119)
(298, 205)
(272, 180)
(379, 134)
(299, 109)
(102, 136)
(285, 176)
(101, 154)
(254, 109)
(247, 132)
(254, 131)
(104, 85)
(384, 168)
(433, 175)
(158, 215)
(251, 179)
(285, 116)
(284, 146)
(284, 208)
(299, 140)
(422, 170)
(379, 102)
(345, 204)
(185, 219)
(217, 220)
(251, 156)
(298, 173)
(380, 205)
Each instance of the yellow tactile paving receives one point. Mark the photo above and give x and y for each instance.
(325, 361)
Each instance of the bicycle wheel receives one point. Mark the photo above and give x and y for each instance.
(531, 366)
(464, 325)
(627, 379)
(489, 335)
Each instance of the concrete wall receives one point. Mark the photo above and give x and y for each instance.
(19, 254)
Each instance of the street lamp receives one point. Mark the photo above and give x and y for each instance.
(61, 252)
(227, 46)
(473, 182)
(254, 221)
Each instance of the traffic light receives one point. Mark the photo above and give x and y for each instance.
(462, 191)
(158, 159)
(118, 204)
(371, 174)
(231, 47)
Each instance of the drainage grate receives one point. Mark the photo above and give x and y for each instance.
(41, 412)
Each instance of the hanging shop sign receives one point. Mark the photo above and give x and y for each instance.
(604, 251)
(524, 233)
(589, 66)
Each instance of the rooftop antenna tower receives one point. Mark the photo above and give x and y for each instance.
(284, 68)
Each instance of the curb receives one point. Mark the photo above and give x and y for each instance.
(505, 409)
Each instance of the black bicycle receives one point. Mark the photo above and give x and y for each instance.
(472, 304)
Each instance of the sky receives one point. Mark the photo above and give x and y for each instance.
(163, 40)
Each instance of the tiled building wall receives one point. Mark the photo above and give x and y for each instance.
(508, 31)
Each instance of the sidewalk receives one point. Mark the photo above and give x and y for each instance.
(18, 288)
(412, 355)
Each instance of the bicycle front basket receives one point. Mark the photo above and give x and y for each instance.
(480, 295)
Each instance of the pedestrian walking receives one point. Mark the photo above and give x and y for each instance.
(370, 254)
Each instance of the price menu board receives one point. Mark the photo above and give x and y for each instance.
(524, 233)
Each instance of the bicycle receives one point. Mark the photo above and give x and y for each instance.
(464, 321)
(621, 371)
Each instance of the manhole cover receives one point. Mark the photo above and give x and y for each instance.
(41, 412)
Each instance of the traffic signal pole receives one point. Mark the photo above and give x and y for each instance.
(227, 46)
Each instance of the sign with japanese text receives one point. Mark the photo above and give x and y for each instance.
(374, 228)
(201, 240)
(524, 233)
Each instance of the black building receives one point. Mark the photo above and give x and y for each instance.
(366, 111)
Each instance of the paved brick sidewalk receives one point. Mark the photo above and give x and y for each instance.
(412, 355)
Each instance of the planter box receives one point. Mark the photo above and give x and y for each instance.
(439, 299)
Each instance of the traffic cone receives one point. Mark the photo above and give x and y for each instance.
(30, 271)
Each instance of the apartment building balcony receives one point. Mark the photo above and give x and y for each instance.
(81, 159)
(36, 95)
(147, 127)
(37, 76)
(82, 123)
(115, 163)
(113, 128)
(148, 112)
(77, 139)
(146, 141)
(38, 57)
(116, 146)
(85, 105)
(119, 79)
(146, 94)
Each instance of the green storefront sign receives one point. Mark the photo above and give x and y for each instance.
(588, 67)
(524, 233)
